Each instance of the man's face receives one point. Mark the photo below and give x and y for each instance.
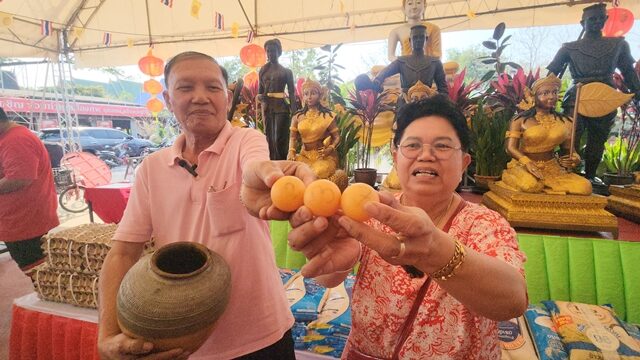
(418, 38)
(272, 53)
(413, 9)
(198, 97)
(593, 20)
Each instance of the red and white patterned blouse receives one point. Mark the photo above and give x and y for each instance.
(444, 328)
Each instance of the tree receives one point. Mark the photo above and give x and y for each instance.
(302, 62)
(235, 68)
(468, 58)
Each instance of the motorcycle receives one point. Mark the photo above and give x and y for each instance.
(109, 157)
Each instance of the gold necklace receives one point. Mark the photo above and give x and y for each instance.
(437, 220)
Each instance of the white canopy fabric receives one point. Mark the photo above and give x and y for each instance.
(133, 24)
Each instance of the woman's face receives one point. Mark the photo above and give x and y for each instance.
(433, 172)
(311, 96)
(547, 97)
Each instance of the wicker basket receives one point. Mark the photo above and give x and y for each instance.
(66, 287)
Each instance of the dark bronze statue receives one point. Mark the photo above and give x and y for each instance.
(594, 58)
(271, 93)
(416, 66)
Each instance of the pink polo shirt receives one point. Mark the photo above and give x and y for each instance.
(171, 205)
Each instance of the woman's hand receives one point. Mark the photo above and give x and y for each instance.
(569, 162)
(258, 178)
(534, 170)
(413, 226)
(121, 346)
(323, 242)
(326, 151)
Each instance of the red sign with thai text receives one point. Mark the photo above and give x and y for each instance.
(21, 105)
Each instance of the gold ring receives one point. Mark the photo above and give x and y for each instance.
(403, 247)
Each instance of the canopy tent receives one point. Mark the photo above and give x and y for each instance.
(118, 32)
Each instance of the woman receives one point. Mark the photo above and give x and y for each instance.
(316, 128)
(470, 252)
(532, 139)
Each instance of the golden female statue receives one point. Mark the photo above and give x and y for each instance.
(532, 139)
(316, 127)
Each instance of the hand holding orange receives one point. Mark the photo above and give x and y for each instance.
(322, 197)
(355, 197)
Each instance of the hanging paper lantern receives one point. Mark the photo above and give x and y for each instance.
(154, 105)
(151, 65)
(620, 21)
(253, 55)
(250, 79)
(152, 87)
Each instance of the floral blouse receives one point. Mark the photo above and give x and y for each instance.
(444, 328)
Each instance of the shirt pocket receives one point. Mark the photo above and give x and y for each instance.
(225, 212)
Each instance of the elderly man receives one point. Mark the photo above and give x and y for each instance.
(191, 192)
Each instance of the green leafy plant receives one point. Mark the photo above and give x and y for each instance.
(622, 157)
(497, 44)
(367, 105)
(348, 130)
(487, 138)
(328, 73)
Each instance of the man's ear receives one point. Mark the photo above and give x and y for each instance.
(167, 102)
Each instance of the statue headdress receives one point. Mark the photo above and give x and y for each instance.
(529, 99)
(311, 84)
(419, 87)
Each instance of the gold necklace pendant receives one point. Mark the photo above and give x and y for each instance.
(546, 120)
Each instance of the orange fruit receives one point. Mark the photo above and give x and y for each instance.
(355, 197)
(322, 197)
(287, 193)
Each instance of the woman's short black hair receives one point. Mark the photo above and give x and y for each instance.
(189, 55)
(438, 105)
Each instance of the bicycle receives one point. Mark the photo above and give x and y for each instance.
(71, 190)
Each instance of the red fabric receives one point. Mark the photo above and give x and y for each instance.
(36, 335)
(24, 157)
(109, 201)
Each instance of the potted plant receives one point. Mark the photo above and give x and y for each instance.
(622, 156)
(487, 138)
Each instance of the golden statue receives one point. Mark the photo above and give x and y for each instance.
(316, 127)
(414, 12)
(532, 139)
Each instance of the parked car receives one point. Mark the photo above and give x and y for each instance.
(94, 139)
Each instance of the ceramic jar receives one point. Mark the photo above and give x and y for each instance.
(174, 296)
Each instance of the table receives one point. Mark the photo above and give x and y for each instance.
(47, 330)
(108, 201)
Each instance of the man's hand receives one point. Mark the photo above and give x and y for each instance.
(121, 346)
(258, 178)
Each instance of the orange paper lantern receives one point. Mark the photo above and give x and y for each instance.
(152, 86)
(151, 65)
(253, 55)
(620, 21)
(250, 79)
(154, 105)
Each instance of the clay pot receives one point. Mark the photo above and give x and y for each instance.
(174, 296)
(365, 175)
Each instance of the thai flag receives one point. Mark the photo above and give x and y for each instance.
(106, 39)
(46, 27)
(218, 21)
(168, 3)
(250, 36)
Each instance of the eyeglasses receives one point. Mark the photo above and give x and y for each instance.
(411, 149)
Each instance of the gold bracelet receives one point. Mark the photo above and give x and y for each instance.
(524, 160)
(450, 268)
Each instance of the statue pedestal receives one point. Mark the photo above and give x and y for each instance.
(544, 211)
(625, 202)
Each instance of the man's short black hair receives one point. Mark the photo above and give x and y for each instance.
(188, 55)
(437, 105)
(3, 116)
(600, 7)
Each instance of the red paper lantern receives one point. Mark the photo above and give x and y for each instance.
(253, 55)
(151, 65)
(154, 105)
(620, 21)
(152, 87)
(250, 79)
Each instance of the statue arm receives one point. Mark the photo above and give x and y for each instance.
(392, 44)
(291, 89)
(440, 79)
(559, 61)
(433, 45)
(334, 132)
(513, 138)
(389, 70)
(625, 64)
(261, 89)
(293, 137)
